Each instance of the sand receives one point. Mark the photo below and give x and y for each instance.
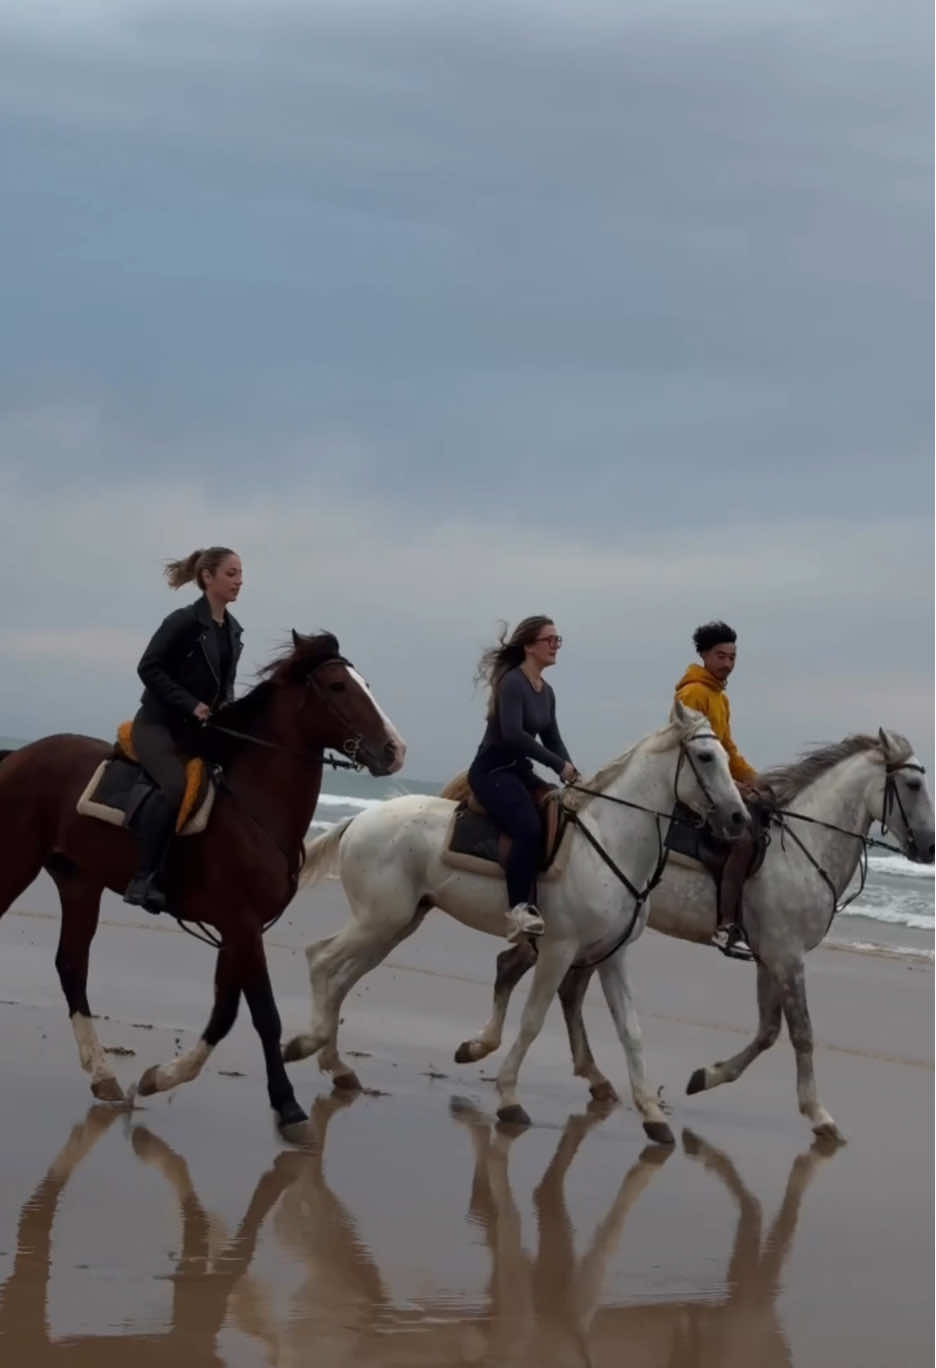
(418, 1233)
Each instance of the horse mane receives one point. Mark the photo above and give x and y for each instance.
(291, 666)
(786, 782)
(663, 739)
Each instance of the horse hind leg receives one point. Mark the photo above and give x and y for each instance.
(22, 857)
(335, 966)
(80, 910)
(768, 1029)
(572, 992)
(512, 964)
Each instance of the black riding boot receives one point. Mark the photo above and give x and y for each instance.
(153, 825)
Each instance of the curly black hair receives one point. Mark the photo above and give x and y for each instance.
(712, 634)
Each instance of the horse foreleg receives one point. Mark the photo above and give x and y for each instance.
(80, 909)
(614, 981)
(553, 961)
(258, 993)
(796, 1011)
(512, 964)
(162, 1077)
(768, 1028)
(572, 991)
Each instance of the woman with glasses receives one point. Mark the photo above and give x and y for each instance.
(521, 707)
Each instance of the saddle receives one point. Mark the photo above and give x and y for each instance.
(119, 786)
(693, 844)
(473, 841)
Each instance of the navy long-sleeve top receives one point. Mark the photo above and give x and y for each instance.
(522, 713)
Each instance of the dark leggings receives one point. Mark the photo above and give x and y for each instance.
(161, 756)
(509, 802)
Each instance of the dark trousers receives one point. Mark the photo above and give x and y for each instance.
(161, 755)
(510, 804)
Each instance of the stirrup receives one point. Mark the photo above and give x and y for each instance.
(732, 942)
(524, 920)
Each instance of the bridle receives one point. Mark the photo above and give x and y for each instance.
(639, 895)
(891, 798)
(351, 746)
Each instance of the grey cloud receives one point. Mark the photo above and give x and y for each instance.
(628, 278)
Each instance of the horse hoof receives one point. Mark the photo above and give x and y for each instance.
(293, 1050)
(300, 1133)
(290, 1114)
(107, 1090)
(654, 1156)
(603, 1092)
(148, 1084)
(659, 1132)
(696, 1083)
(347, 1082)
(469, 1052)
(513, 1116)
(828, 1136)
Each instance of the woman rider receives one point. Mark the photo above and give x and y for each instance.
(521, 707)
(188, 669)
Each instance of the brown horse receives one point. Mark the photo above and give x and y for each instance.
(237, 877)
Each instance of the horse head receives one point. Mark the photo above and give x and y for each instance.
(338, 709)
(903, 804)
(703, 779)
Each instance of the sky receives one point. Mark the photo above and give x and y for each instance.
(442, 314)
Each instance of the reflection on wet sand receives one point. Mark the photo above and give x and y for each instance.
(543, 1309)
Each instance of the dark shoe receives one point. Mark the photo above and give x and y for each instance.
(143, 891)
(732, 942)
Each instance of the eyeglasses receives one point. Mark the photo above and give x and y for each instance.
(554, 641)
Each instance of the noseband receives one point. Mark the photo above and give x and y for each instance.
(892, 798)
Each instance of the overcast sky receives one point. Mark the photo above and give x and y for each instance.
(444, 312)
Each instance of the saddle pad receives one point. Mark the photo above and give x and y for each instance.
(119, 785)
(194, 775)
(473, 843)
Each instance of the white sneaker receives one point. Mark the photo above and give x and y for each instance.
(524, 920)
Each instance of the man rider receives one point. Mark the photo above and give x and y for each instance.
(702, 687)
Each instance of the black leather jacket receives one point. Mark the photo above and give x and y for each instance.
(181, 666)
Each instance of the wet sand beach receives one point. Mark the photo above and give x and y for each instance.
(417, 1232)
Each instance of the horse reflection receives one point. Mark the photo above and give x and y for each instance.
(543, 1309)
(207, 1269)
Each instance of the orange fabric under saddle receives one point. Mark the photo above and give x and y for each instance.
(194, 773)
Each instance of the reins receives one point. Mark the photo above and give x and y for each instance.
(640, 896)
(331, 760)
(351, 748)
(891, 794)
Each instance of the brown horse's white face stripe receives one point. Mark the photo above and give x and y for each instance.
(394, 735)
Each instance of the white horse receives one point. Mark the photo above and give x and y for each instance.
(835, 792)
(390, 860)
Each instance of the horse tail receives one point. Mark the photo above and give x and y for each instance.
(321, 855)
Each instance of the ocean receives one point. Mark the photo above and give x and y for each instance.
(894, 912)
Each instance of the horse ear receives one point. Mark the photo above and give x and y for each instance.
(296, 638)
(680, 714)
(887, 745)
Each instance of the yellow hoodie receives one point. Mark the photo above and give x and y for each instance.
(701, 690)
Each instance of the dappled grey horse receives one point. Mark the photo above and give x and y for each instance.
(827, 802)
